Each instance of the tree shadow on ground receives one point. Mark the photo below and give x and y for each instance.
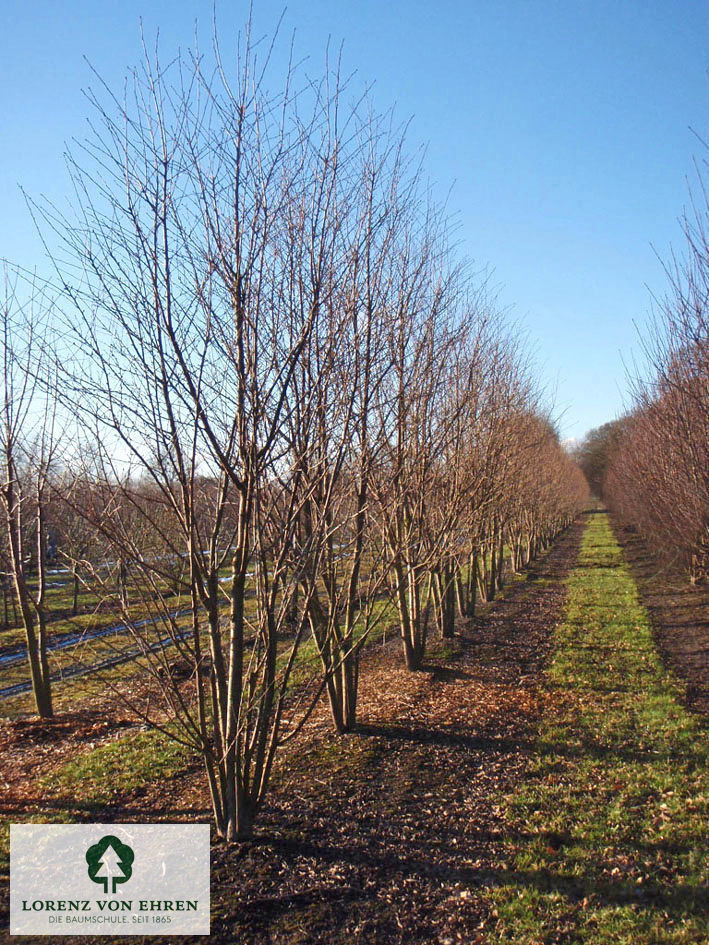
(679, 613)
(439, 736)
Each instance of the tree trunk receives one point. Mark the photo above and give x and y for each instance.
(492, 586)
(448, 603)
(34, 634)
(75, 602)
(501, 562)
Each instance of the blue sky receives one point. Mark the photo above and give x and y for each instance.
(563, 128)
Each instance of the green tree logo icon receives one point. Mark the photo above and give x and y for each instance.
(110, 862)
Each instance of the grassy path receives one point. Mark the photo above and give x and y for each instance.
(610, 831)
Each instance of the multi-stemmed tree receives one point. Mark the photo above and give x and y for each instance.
(289, 403)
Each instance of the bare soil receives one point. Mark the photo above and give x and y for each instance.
(679, 612)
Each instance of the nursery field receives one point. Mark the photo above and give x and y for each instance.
(540, 780)
(329, 613)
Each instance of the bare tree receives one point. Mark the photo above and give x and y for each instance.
(354, 268)
(188, 344)
(658, 476)
(27, 445)
(286, 399)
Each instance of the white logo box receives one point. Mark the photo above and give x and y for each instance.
(109, 879)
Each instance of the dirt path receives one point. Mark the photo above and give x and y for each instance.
(679, 613)
(391, 835)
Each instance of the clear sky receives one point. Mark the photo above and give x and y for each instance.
(565, 130)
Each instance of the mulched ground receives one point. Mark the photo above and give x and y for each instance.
(679, 612)
(392, 834)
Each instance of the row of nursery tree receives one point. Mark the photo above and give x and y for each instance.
(658, 462)
(263, 403)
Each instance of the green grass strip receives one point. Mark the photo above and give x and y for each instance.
(609, 834)
(110, 771)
